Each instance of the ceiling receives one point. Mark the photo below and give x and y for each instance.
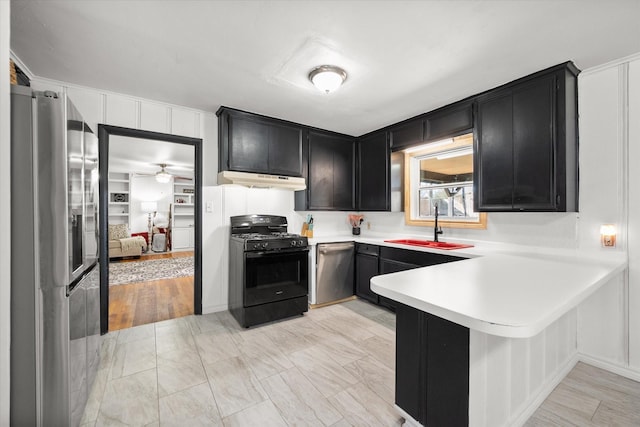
(140, 155)
(403, 57)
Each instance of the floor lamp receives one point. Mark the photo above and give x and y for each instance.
(149, 208)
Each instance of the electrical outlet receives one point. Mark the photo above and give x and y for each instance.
(209, 207)
(368, 225)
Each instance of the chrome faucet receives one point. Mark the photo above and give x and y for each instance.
(436, 230)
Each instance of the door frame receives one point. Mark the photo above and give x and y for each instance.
(104, 132)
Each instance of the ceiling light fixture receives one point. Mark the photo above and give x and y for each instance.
(327, 78)
(163, 176)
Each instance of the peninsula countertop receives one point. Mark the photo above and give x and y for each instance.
(505, 290)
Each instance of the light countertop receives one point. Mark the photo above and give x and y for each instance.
(505, 290)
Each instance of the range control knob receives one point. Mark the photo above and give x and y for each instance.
(264, 245)
(294, 243)
(300, 242)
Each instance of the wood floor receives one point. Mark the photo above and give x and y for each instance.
(589, 396)
(137, 304)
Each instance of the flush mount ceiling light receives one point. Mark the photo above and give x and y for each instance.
(327, 78)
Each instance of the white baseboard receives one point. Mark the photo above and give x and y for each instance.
(409, 421)
(545, 391)
(623, 371)
(214, 308)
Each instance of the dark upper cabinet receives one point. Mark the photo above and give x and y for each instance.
(406, 134)
(450, 121)
(331, 173)
(495, 171)
(254, 143)
(446, 122)
(373, 180)
(285, 145)
(526, 144)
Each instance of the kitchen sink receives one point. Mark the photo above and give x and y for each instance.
(430, 244)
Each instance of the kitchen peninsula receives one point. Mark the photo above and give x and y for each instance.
(507, 316)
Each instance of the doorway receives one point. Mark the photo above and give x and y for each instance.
(167, 221)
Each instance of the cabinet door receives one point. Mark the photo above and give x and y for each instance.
(253, 143)
(285, 150)
(410, 364)
(366, 268)
(391, 266)
(450, 121)
(181, 238)
(533, 145)
(320, 181)
(407, 134)
(331, 174)
(248, 145)
(344, 184)
(493, 160)
(447, 373)
(373, 173)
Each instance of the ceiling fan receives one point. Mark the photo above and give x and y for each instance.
(162, 175)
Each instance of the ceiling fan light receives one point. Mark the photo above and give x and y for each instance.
(327, 78)
(163, 177)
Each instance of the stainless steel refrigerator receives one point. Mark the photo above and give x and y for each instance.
(55, 299)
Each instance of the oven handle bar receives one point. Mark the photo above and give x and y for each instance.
(275, 252)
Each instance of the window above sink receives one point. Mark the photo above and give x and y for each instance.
(441, 173)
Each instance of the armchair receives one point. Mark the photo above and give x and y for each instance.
(121, 244)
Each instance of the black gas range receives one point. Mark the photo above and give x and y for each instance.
(268, 270)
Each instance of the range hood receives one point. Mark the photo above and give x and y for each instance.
(261, 180)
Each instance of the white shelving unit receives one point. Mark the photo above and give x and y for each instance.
(119, 198)
(182, 215)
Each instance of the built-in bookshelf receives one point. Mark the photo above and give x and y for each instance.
(119, 198)
(182, 214)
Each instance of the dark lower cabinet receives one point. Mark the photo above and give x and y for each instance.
(392, 266)
(432, 368)
(393, 260)
(366, 268)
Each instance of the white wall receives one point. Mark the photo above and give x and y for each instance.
(609, 321)
(510, 377)
(147, 189)
(5, 212)
(227, 201)
(98, 106)
(634, 215)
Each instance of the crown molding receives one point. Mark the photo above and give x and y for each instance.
(611, 64)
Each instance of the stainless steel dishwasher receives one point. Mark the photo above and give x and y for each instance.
(334, 275)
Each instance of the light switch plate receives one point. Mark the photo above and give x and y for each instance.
(209, 207)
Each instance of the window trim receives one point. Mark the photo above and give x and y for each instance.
(480, 223)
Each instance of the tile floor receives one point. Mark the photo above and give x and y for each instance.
(333, 366)
(589, 396)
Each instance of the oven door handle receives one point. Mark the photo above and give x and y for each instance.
(277, 252)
